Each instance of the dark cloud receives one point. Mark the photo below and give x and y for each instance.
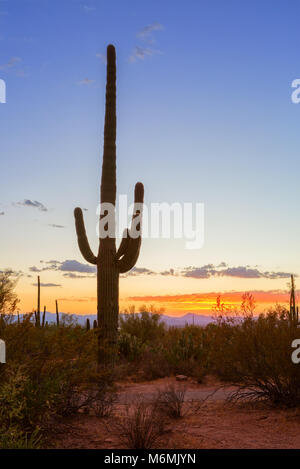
(35, 269)
(2, 213)
(168, 272)
(74, 275)
(139, 271)
(75, 266)
(33, 203)
(67, 267)
(205, 271)
(70, 267)
(210, 270)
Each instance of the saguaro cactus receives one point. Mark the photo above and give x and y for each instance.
(110, 261)
(44, 316)
(57, 313)
(293, 313)
(38, 311)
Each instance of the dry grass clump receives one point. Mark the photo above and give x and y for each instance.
(170, 400)
(140, 426)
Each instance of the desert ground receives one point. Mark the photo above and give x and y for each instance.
(216, 424)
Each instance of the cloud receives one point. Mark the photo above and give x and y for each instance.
(139, 53)
(86, 82)
(74, 275)
(34, 204)
(145, 35)
(146, 32)
(88, 8)
(75, 266)
(10, 64)
(203, 272)
(102, 57)
(47, 284)
(80, 300)
(210, 270)
(69, 265)
(168, 272)
(35, 269)
(53, 225)
(139, 271)
(203, 302)
(2, 213)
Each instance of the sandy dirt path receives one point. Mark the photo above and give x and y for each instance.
(218, 424)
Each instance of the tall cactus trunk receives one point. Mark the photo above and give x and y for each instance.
(108, 301)
(110, 262)
(108, 275)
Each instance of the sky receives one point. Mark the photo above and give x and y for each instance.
(204, 115)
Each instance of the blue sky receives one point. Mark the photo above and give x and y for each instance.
(204, 115)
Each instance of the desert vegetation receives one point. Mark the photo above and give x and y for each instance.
(51, 372)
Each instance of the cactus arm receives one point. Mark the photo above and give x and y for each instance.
(129, 249)
(82, 238)
(131, 256)
(124, 245)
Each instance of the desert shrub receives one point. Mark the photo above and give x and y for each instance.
(259, 356)
(51, 372)
(153, 363)
(185, 351)
(104, 402)
(14, 438)
(141, 425)
(146, 326)
(170, 400)
(130, 346)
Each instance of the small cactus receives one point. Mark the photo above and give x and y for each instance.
(57, 313)
(294, 312)
(44, 316)
(37, 313)
(110, 262)
(88, 325)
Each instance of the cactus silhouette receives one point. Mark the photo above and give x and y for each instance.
(57, 313)
(44, 316)
(110, 261)
(88, 325)
(294, 312)
(37, 313)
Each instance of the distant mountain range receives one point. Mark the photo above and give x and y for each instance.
(180, 321)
